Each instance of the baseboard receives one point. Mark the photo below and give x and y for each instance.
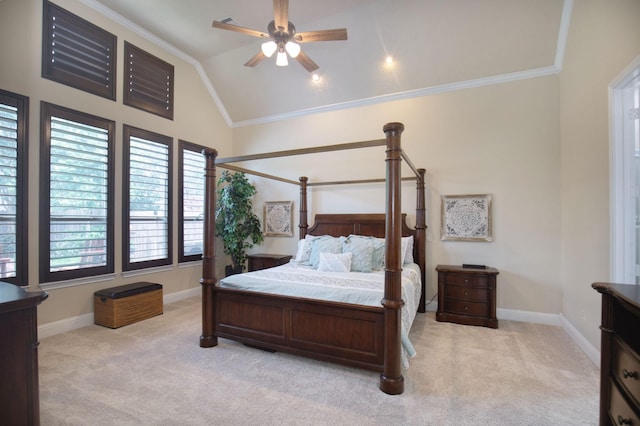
(548, 319)
(73, 323)
(528, 316)
(581, 341)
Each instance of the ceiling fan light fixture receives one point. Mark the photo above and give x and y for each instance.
(281, 59)
(293, 49)
(269, 48)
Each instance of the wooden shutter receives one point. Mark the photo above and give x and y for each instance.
(77, 53)
(148, 82)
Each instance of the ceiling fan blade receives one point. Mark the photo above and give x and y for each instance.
(306, 62)
(255, 59)
(321, 35)
(281, 14)
(243, 30)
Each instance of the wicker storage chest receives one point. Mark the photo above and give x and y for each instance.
(118, 306)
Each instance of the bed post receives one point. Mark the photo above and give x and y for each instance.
(391, 379)
(421, 235)
(208, 280)
(304, 225)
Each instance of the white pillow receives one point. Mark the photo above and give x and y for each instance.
(332, 262)
(407, 249)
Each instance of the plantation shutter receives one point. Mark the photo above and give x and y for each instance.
(78, 195)
(148, 82)
(8, 189)
(148, 194)
(77, 53)
(192, 203)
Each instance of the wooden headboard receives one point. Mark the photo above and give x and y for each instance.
(368, 224)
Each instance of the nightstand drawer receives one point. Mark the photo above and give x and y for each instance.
(620, 412)
(626, 367)
(466, 293)
(466, 280)
(466, 308)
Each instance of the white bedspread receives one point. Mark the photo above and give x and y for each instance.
(349, 287)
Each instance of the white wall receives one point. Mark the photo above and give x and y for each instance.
(503, 140)
(196, 119)
(604, 38)
(540, 147)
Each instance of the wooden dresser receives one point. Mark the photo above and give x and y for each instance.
(263, 261)
(467, 295)
(19, 390)
(619, 351)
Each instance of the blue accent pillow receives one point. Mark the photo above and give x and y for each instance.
(362, 252)
(324, 244)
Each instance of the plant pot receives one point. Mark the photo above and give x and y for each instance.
(230, 270)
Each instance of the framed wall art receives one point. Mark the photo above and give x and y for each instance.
(466, 218)
(278, 219)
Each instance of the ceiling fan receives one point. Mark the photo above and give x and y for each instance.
(284, 38)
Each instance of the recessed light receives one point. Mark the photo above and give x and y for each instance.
(389, 60)
(315, 77)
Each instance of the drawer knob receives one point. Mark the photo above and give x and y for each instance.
(466, 280)
(466, 293)
(623, 421)
(629, 374)
(466, 308)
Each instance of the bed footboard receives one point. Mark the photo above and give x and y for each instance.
(330, 331)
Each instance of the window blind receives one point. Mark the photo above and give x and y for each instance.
(148, 200)
(8, 189)
(79, 161)
(192, 202)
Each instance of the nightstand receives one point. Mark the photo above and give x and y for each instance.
(467, 295)
(263, 261)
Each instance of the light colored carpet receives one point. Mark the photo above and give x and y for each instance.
(154, 373)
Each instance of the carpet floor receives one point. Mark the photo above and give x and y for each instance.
(154, 373)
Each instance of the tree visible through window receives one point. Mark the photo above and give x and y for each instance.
(147, 206)
(191, 215)
(13, 211)
(76, 234)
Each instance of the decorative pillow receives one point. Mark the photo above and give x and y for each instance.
(362, 251)
(377, 259)
(407, 249)
(324, 244)
(332, 262)
(304, 249)
(301, 251)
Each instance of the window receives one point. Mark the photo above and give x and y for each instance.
(76, 203)
(77, 53)
(191, 211)
(148, 82)
(625, 176)
(14, 111)
(147, 199)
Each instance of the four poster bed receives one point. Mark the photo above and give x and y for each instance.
(370, 336)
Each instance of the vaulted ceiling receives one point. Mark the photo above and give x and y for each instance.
(436, 45)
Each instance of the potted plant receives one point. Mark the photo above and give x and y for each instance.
(236, 223)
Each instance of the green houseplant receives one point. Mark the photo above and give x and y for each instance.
(236, 223)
